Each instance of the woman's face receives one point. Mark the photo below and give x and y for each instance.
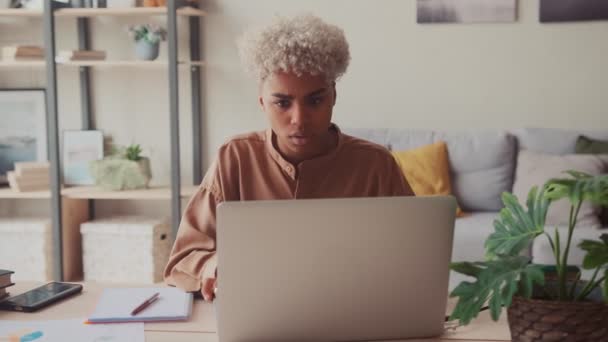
(299, 110)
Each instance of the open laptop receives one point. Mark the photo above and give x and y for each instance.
(333, 269)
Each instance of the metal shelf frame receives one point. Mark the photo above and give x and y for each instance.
(84, 42)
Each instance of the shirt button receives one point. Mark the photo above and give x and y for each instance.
(288, 169)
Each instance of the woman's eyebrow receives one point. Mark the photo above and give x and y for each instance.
(317, 92)
(283, 96)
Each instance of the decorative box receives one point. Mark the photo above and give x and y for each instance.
(26, 247)
(125, 249)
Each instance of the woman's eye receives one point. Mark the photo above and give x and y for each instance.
(282, 103)
(316, 100)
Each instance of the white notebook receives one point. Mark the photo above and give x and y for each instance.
(116, 305)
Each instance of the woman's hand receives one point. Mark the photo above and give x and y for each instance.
(208, 289)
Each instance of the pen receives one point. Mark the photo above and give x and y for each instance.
(145, 304)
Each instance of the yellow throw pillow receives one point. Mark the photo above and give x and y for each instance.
(427, 170)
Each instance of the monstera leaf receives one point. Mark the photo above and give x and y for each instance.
(597, 252)
(515, 228)
(581, 187)
(497, 282)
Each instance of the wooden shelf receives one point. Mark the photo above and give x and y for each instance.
(91, 192)
(133, 63)
(103, 64)
(19, 12)
(8, 193)
(126, 12)
(98, 12)
(21, 64)
(153, 193)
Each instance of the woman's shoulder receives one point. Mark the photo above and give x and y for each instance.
(362, 148)
(243, 141)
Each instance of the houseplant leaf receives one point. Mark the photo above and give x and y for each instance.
(582, 187)
(606, 285)
(497, 281)
(597, 252)
(515, 228)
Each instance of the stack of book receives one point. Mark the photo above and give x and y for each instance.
(5, 282)
(29, 176)
(22, 53)
(80, 55)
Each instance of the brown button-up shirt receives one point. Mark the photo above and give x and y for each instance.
(249, 167)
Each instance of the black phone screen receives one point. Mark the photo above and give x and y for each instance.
(40, 296)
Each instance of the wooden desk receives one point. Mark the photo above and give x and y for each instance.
(202, 325)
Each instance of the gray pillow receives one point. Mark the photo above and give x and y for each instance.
(537, 168)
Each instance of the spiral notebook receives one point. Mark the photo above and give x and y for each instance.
(116, 304)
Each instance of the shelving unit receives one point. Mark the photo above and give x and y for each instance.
(19, 12)
(22, 64)
(99, 64)
(130, 64)
(92, 192)
(70, 206)
(97, 12)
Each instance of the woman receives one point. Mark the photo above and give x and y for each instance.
(302, 155)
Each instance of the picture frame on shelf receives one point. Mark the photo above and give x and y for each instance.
(23, 128)
(80, 148)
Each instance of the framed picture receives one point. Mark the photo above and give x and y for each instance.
(22, 128)
(80, 148)
(573, 10)
(466, 11)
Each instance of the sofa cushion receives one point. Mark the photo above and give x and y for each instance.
(375, 135)
(588, 145)
(554, 141)
(535, 169)
(427, 170)
(482, 163)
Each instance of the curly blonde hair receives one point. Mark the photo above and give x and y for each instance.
(303, 44)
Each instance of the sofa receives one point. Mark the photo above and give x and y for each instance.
(483, 165)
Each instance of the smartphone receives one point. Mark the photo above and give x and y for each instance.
(40, 297)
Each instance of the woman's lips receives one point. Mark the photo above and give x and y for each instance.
(299, 140)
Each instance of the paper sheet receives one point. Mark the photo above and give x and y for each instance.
(70, 330)
(116, 304)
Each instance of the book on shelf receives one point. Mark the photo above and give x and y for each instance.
(5, 278)
(80, 55)
(29, 176)
(5, 282)
(32, 168)
(23, 184)
(22, 52)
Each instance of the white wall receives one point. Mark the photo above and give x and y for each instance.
(402, 74)
(447, 76)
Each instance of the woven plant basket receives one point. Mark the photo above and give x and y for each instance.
(532, 320)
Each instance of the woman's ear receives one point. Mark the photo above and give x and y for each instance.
(261, 101)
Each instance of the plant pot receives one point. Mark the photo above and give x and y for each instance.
(121, 174)
(145, 50)
(545, 320)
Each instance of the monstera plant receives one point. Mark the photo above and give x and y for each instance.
(538, 307)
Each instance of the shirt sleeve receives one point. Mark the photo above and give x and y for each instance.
(193, 256)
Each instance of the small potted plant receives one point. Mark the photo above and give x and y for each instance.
(124, 169)
(544, 302)
(147, 40)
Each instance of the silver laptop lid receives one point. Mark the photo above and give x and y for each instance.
(333, 269)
